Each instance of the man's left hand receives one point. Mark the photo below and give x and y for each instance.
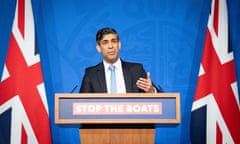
(146, 84)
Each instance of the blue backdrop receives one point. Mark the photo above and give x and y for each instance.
(166, 36)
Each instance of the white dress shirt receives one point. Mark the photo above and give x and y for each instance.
(121, 88)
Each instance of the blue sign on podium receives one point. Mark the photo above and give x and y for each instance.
(117, 108)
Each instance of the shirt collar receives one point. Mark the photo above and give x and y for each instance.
(117, 64)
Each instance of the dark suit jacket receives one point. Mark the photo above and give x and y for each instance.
(94, 78)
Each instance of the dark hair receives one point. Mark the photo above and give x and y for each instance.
(105, 31)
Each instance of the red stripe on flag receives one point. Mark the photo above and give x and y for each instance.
(21, 16)
(219, 135)
(216, 18)
(24, 136)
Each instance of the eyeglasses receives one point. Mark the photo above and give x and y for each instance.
(106, 42)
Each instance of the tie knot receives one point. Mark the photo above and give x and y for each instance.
(112, 68)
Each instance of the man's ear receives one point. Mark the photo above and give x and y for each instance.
(120, 44)
(98, 48)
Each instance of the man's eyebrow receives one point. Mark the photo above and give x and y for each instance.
(110, 39)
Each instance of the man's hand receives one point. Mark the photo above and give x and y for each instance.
(146, 84)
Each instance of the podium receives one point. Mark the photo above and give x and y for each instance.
(117, 118)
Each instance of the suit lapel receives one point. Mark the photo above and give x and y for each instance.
(101, 77)
(127, 76)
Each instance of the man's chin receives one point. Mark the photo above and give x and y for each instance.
(112, 60)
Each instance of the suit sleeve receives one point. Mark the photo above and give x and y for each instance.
(86, 85)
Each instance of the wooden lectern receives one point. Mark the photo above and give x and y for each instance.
(117, 118)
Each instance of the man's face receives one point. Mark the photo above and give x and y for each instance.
(109, 47)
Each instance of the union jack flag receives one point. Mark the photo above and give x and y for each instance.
(215, 115)
(23, 105)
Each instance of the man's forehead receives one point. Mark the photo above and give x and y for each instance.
(109, 37)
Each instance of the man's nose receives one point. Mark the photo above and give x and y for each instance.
(110, 44)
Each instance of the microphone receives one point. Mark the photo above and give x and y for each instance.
(159, 88)
(74, 88)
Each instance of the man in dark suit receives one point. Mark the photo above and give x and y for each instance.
(130, 77)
